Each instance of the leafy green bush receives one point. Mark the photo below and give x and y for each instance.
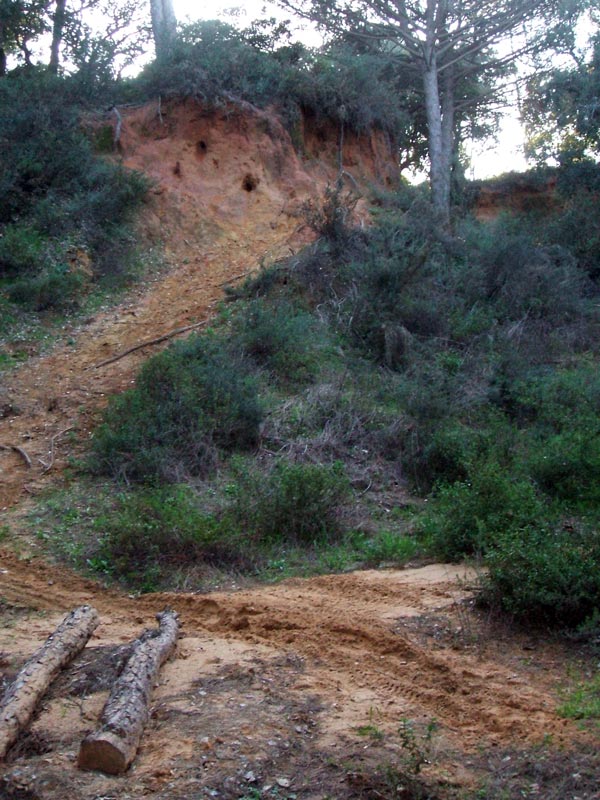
(22, 248)
(559, 415)
(57, 288)
(577, 227)
(384, 547)
(151, 533)
(297, 503)
(544, 574)
(278, 336)
(56, 195)
(468, 517)
(189, 401)
(567, 465)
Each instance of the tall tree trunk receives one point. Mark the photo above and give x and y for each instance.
(164, 26)
(57, 34)
(2, 51)
(438, 174)
(448, 132)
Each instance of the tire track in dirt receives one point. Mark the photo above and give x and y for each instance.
(346, 629)
(341, 629)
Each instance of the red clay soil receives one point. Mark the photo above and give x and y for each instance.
(294, 690)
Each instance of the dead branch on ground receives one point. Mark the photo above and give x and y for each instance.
(18, 450)
(48, 465)
(151, 342)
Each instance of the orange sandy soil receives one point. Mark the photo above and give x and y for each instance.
(270, 685)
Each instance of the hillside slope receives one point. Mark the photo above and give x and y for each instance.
(292, 691)
(228, 191)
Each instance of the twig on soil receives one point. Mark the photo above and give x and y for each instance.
(18, 450)
(48, 465)
(235, 278)
(150, 342)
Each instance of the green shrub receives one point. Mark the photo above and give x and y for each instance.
(57, 288)
(55, 193)
(567, 466)
(296, 503)
(22, 249)
(440, 453)
(468, 517)
(278, 337)
(559, 416)
(152, 533)
(384, 547)
(189, 401)
(544, 574)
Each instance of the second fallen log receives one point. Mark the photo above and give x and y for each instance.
(112, 747)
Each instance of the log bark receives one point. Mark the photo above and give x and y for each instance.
(112, 747)
(30, 685)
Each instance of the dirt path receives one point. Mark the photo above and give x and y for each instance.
(62, 392)
(294, 690)
(268, 678)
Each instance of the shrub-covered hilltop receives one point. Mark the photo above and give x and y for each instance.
(67, 205)
(423, 386)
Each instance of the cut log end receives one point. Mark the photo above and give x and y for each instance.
(104, 752)
(112, 748)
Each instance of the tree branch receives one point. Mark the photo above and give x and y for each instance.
(18, 450)
(151, 342)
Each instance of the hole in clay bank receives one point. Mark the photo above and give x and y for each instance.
(250, 182)
(201, 146)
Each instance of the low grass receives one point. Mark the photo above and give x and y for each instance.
(582, 700)
(196, 538)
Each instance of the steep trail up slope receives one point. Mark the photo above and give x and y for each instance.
(228, 194)
(270, 685)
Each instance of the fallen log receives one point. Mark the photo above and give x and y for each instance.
(32, 682)
(112, 747)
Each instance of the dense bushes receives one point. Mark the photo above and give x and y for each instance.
(151, 537)
(279, 337)
(150, 534)
(296, 503)
(545, 573)
(63, 210)
(189, 402)
(214, 62)
(468, 517)
(489, 340)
